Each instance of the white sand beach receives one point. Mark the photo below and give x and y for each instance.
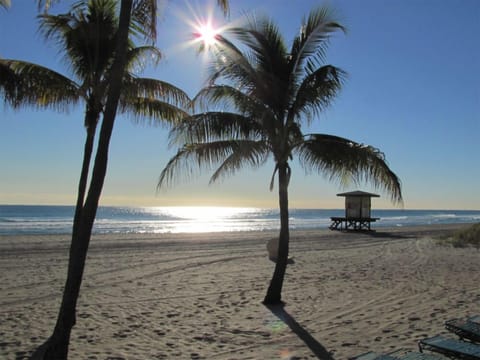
(198, 296)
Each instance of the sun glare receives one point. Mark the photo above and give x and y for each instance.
(200, 219)
(204, 24)
(207, 34)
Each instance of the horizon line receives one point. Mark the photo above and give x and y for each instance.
(246, 207)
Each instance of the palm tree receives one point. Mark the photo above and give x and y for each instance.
(87, 35)
(139, 15)
(261, 100)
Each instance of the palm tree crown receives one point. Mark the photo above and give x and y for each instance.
(86, 37)
(267, 94)
(260, 96)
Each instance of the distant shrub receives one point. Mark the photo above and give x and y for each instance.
(465, 237)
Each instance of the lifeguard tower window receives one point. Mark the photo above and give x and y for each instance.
(357, 212)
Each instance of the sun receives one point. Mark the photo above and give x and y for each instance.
(207, 34)
(205, 26)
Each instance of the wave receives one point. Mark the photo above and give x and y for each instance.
(58, 219)
(5, 220)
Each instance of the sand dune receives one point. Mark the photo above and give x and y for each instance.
(198, 296)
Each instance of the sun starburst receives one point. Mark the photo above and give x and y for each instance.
(206, 34)
(206, 27)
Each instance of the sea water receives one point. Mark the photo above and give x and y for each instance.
(28, 219)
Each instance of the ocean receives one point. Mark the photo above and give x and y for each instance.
(41, 220)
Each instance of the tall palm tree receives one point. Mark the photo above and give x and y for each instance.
(261, 99)
(87, 36)
(141, 16)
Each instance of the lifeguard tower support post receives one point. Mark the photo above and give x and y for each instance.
(357, 212)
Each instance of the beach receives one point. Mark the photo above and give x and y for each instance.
(199, 296)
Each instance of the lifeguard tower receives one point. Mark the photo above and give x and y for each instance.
(357, 212)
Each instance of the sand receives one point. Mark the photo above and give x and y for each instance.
(198, 296)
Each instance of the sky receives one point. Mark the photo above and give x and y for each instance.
(413, 91)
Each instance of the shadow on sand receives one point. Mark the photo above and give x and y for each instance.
(318, 349)
(379, 234)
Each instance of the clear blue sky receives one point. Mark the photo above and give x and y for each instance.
(413, 91)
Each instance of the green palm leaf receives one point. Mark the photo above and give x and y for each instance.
(146, 87)
(192, 158)
(8, 83)
(85, 36)
(151, 111)
(269, 57)
(144, 18)
(317, 91)
(40, 87)
(348, 161)
(244, 153)
(214, 126)
(309, 47)
(229, 99)
(231, 64)
(141, 56)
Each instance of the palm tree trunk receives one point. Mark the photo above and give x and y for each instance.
(82, 184)
(274, 292)
(56, 346)
(75, 248)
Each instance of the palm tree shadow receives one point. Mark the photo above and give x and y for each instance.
(317, 349)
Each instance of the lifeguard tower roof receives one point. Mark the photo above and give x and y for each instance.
(358, 193)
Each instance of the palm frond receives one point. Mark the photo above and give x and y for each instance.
(263, 38)
(141, 56)
(232, 65)
(41, 87)
(268, 55)
(145, 87)
(317, 91)
(227, 98)
(144, 19)
(214, 126)
(309, 47)
(192, 158)
(85, 36)
(244, 152)
(343, 160)
(152, 111)
(8, 83)
(52, 27)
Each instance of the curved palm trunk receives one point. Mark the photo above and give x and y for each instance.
(82, 184)
(274, 292)
(75, 249)
(56, 346)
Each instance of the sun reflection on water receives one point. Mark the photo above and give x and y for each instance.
(197, 219)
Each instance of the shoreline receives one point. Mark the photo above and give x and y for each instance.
(111, 220)
(198, 296)
(181, 236)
